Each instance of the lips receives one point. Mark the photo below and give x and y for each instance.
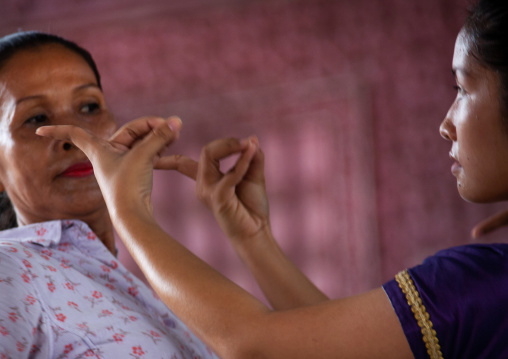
(78, 170)
(456, 165)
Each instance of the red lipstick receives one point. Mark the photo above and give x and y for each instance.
(83, 169)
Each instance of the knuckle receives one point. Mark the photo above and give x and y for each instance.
(132, 133)
(163, 132)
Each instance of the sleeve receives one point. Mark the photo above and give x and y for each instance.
(21, 315)
(452, 305)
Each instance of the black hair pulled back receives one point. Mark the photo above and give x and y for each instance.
(486, 30)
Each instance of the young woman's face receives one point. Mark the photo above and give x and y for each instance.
(474, 124)
(48, 179)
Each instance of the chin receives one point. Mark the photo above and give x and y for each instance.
(83, 205)
(480, 197)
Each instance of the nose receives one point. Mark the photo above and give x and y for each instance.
(67, 146)
(447, 128)
(60, 145)
(64, 119)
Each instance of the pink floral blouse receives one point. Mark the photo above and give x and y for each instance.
(64, 295)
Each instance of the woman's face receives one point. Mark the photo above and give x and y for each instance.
(474, 124)
(48, 179)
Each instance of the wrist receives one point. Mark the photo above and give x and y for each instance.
(256, 246)
(125, 209)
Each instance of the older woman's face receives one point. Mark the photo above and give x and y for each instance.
(474, 124)
(48, 179)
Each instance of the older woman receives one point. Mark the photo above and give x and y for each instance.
(451, 306)
(63, 293)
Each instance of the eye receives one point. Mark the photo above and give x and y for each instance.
(37, 119)
(90, 107)
(459, 90)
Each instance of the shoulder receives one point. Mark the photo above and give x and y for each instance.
(476, 264)
(461, 291)
(464, 273)
(473, 253)
(14, 269)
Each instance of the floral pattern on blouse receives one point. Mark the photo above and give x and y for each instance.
(64, 295)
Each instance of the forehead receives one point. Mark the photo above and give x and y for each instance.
(467, 67)
(38, 68)
(461, 57)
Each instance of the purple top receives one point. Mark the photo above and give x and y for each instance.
(464, 290)
(64, 295)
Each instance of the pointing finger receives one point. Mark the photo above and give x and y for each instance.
(81, 138)
(180, 163)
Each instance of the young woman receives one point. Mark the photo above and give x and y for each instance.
(451, 306)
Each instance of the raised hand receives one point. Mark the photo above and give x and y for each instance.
(123, 164)
(237, 198)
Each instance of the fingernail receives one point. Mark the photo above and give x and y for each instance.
(175, 123)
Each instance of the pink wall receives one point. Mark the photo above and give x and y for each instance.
(345, 96)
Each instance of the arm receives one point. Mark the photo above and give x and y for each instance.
(243, 214)
(231, 321)
(240, 205)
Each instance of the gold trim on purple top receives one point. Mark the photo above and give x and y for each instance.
(422, 317)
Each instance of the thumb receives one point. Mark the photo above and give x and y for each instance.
(159, 138)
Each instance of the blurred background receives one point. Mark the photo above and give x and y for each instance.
(345, 96)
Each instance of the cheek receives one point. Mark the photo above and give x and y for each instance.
(106, 126)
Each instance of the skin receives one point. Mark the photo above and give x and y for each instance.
(474, 125)
(233, 323)
(51, 86)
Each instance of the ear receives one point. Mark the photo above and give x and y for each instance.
(2, 187)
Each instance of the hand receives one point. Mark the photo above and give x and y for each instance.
(490, 224)
(237, 198)
(123, 165)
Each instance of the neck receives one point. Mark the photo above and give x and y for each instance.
(99, 222)
(104, 231)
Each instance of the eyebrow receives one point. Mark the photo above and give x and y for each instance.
(462, 70)
(79, 88)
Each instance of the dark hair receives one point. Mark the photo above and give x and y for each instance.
(486, 29)
(28, 40)
(31, 40)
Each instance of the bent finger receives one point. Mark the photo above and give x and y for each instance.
(213, 153)
(157, 140)
(241, 167)
(133, 131)
(222, 148)
(256, 171)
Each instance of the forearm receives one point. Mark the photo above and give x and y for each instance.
(284, 285)
(213, 307)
